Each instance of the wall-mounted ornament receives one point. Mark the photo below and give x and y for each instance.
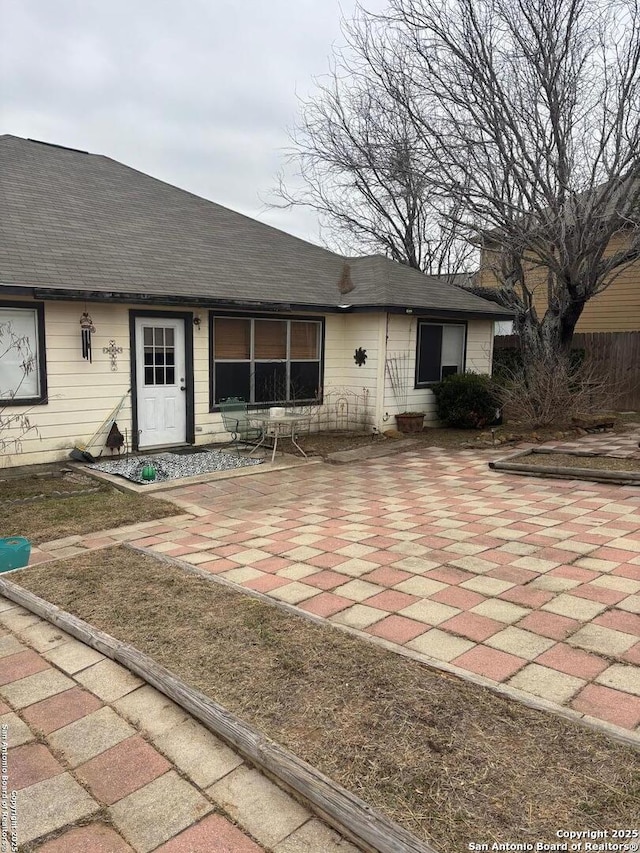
(112, 351)
(360, 356)
(86, 329)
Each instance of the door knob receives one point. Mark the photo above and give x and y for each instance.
(183, 387)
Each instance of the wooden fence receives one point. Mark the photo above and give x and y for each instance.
(614, 355)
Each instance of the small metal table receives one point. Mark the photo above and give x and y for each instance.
(280, 426)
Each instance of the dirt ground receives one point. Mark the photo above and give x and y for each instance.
(569, 460)
(451, 762)
(321, 444)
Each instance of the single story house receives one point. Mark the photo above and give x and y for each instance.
(124, 289)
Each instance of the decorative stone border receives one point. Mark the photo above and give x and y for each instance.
(512, 465)
(124, 485)
(35, 498)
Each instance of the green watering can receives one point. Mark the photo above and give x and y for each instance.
(14, 553)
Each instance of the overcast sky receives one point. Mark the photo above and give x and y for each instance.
(199, 93)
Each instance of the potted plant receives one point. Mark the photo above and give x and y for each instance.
(399, 369)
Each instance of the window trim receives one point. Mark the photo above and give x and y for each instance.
(237, 315)
(41, 356)
(425, 321)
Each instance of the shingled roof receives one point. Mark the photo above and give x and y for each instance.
(74, 223)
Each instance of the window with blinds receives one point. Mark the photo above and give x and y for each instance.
(440, 351)
(22, 357)
(263, 360)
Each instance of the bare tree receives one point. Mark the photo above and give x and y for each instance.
(358, 162)
(531, 108)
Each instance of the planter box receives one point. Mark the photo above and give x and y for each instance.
(410, 422)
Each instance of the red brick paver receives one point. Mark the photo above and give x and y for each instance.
(439, 529)
(21, 665)
(496, 665)
(549, 625)
(122, 769)
(29, 764)
(619, 708)
(95, 838)
(212, 835)
(398, 629)
(134, 798)
(60, 710)
(572, 661)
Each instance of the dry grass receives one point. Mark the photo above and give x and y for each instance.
(54, 518)
(570, 460)
(25, 484)
(449, 761)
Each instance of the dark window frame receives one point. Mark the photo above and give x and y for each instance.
(288, 318)
(187, 316)
(425, 321)
(42, 399)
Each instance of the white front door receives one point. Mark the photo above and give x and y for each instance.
(160, 380)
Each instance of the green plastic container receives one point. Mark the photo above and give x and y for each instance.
(14, 553)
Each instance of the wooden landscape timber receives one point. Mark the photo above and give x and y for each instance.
(516, 464)
(348, 814)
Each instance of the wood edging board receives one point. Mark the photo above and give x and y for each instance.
(511, 464)
(347, 813)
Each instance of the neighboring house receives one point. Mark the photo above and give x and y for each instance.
(616, 309)
(192, 303)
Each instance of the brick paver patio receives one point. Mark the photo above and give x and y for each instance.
(86, 741)
(532, 583)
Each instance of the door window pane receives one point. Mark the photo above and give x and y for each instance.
(270, 339)
(159, 358)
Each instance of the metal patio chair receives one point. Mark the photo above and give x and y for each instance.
(237, 422)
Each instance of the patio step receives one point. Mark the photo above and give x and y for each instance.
(371, 451)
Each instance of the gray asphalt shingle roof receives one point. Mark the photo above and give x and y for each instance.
(81, 222)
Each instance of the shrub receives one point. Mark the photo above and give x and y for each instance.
(540, 397)
(466, 400)
(507, 363)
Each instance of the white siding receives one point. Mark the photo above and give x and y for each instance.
(402, 341)
(479, 346)
(82, 395)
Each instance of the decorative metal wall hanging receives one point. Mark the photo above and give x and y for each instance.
(86, 329)
(360, 356)
(112, 351)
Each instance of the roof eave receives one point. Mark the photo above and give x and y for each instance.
(64, 294)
